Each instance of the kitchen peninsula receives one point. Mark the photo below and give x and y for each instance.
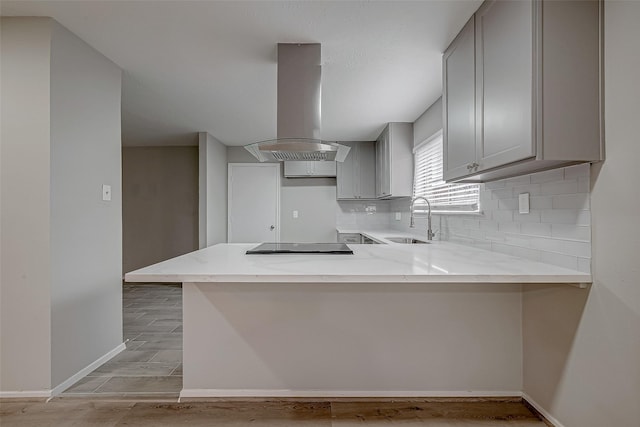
(390, 320)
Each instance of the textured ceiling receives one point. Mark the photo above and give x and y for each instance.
(210, 66)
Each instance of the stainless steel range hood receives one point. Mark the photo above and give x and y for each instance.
(299, 91)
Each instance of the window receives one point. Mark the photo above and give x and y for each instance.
(427, 181)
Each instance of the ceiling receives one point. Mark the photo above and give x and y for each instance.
(193, 66)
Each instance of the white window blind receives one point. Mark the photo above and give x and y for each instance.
(427, 181)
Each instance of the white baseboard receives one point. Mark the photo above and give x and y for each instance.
(542, 411)
(86, 370)
(222, 393)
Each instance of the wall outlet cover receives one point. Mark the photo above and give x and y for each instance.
(295, 214)
(106, 192)
(398, 216)
(523, 203)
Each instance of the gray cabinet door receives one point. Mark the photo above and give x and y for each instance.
(356, 177)
(459, 93)
(327, 168)
(366, 170)
(296, 168)
(312, 168)
(504, 76)
(345, 179)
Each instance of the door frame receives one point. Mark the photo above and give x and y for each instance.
(230, 168)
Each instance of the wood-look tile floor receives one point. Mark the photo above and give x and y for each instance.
(152, 361)
(64, 412)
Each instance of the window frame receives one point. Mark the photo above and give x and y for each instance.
(468, 209)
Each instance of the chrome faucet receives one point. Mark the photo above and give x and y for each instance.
(430, 233)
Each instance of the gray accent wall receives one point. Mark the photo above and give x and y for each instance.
(86, 232)
(61, 243)
(159, 204)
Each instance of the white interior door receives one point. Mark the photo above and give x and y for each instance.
(254, 202)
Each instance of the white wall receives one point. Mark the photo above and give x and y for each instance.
(313, 198)
(25, 329)
(213, 190)
(428, 123)
(582, 352)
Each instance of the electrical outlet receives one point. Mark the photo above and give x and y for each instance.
(106, 192)
(295, 214)
(523, 203)
(398, 216)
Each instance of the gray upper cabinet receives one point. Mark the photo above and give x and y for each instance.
(535, 69)
(356, 176)
(459, 87)
(394, 161)
(300, 169)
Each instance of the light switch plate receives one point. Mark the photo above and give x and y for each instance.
(523, 203)
(106, 192)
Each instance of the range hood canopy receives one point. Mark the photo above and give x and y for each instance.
(299, 90)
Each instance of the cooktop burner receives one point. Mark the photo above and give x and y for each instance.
(301, 248)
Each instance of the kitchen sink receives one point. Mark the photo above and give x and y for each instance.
(406, 240)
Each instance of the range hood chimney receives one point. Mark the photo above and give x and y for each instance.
(299, 92)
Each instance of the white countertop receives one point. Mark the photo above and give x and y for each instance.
(438, 262)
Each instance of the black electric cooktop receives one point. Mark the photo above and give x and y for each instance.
(301, 248)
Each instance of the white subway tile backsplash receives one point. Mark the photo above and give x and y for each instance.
(541, 202)
(535, 229)
(566, 216)
(584, 184)
(571, 231)
(504, 193)
(508, 204)
(547, 245)
(548, 176)
(559, 187)
(557, 230)
(502, 216)
(581, 249)
(489, 225)
(494, 185)
(532, 216)
(577, 170)
(532, 189)
(508, 227)
(517, 181)
(517, 240)
(489, 205)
